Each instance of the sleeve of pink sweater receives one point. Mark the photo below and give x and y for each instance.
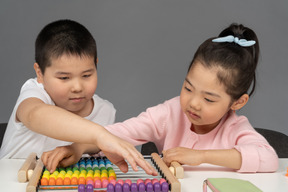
(257, 154)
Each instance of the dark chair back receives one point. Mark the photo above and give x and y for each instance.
(2, 131)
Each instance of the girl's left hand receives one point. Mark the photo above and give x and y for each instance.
(183, 156)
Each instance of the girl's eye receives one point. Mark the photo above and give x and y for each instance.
(210, 101)
(188, 89)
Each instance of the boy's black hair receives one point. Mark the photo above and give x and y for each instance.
(63, 37)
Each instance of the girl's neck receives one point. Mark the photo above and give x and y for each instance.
(204, 129)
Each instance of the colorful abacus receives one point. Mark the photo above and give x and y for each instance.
(99, 174)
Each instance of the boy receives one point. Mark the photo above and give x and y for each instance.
(62, 98)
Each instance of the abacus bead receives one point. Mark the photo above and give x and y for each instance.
(141, 187)
(139, 181)
(74, 181)
(59, 181)
(44, 181)
(155, 181)
(134, 187)
(82, 180)
(162, 181)
(128, 181)
(165, 187)
(120, 181)
(118, 187)
(52, 181)
(113, 181)
(110, 187)
(149, 187)
(67, 181)
(157, 187)
(89, 182)
(89, 188)
(97, 184)
(147, 181)
(81, 188)
(126, 187)
(105, 182)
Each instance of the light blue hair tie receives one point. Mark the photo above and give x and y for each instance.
(231, 38)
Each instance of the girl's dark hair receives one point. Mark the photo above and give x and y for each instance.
(63, 37)
(236, 65)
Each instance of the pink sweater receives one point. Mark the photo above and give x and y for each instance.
(168, 127)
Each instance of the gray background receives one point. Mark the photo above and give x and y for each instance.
(145, 47)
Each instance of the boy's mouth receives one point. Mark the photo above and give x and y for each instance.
(77, 99)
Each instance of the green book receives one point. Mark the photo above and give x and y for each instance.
(229, 185)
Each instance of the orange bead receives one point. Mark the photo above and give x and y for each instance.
(67, 181)
(81, 180)
(74, 181)
(59, 181)
(44, 181)
(52, 181)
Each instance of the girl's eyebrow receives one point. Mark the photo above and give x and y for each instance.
(205, 92)
(188, 82)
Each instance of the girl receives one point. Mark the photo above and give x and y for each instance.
(201, 126)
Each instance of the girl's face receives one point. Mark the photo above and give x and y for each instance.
(71, 82)
(203, 99)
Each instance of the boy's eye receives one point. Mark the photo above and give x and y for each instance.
(63, 78)
(86, 76)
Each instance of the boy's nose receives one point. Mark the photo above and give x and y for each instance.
(76, 86)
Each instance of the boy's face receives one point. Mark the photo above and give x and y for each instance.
(71, 81)
(203, 99)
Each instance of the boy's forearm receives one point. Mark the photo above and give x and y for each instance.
(58, 123)
(230, 158)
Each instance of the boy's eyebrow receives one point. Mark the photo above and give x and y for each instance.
(67, 73)
(206, 92)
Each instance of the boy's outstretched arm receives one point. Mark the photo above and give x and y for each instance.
(58, 123)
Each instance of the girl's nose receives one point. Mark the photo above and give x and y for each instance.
(195, 103)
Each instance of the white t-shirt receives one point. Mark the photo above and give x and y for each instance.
(19, 141)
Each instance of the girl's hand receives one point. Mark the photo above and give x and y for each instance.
(183, 156)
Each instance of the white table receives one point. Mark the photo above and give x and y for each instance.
(192, 182)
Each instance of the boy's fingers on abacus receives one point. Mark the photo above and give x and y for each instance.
(123, 166)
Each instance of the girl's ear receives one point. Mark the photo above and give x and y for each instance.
(38, 73)
(240, 102)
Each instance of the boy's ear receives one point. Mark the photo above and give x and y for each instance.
(38, 73)
(236, 105)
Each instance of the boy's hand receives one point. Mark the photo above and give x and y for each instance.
(183, 156)
(119, 151)
(60, 156)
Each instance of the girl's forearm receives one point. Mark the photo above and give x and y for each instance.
(230, 158)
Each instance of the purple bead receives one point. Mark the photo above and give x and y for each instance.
(89, 188)
(110, 187)
(81, 188)
(141, 187)
(134, 187)
(157, 187)
(118, 187)
(165, 187)
(149, 187)
(126, 187)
